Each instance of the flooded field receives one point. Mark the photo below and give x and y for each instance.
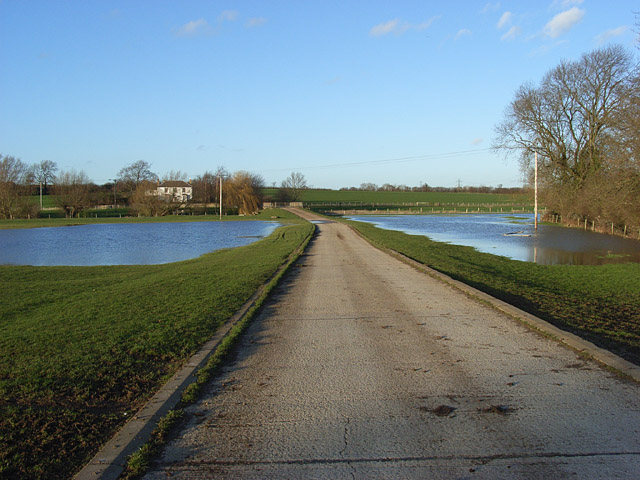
(513, 236)
(125, 244)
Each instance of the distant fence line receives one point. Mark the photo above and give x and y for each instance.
(611, 228)
(429, 210)
(415, 204)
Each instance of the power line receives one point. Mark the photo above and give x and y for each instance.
(433, 156)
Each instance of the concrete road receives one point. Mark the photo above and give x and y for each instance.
(362, 367)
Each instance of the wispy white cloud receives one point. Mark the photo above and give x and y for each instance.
(614, 32)
(333, 80)
(545, 49)
(256, 22)
(565, 4)
(505, 19)
(490, 7)
(202, 27)
(512, 33)
(427, 24)
(462, 33)
(194, 27)
(563, 22)
(228, 16)
(384, 28)
(397, 27)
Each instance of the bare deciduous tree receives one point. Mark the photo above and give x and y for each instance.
(13, 191)
(578, 121)
(133, 175)
(176, 175)
(72, 192)
(146, 202)
(293, 186)
(206, 187)
(44, 173)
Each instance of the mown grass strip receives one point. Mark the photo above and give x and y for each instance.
(599, 303)
(82, 348)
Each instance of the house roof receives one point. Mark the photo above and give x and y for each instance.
(175, 183)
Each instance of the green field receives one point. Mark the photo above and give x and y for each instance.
(398, 198)
(64, 222)
(81, 348)
(599, 303)
(48, 201)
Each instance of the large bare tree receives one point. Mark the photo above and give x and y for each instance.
(44, 173)
(133, 175)
(578, 122)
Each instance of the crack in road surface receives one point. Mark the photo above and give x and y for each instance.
(359, 349)
(478, 459)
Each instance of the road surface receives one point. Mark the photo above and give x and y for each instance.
(362, 367)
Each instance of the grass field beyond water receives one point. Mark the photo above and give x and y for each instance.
(310, 196)
(600, 303)
(81, 348)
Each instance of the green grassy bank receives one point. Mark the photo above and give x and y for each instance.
(310, 196)
(65, 222)
(81, 348)
(599, 303)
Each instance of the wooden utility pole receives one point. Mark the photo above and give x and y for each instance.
(535, 190)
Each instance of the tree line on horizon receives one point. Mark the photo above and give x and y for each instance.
(387, 187)
(74, 192)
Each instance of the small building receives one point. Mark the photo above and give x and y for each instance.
(176, 190)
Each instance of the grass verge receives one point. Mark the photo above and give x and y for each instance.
(599, 303)
(67, 222)
(82, 348)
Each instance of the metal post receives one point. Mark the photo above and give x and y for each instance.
(114, 192)
(535, 188)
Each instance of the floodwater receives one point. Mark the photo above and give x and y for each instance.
(550, 245)
(126, 244)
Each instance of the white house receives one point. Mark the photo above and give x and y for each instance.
(175, 189)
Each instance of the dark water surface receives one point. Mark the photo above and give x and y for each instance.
(550, 245)
(126, 244)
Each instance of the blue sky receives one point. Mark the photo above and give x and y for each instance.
(345, 92)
